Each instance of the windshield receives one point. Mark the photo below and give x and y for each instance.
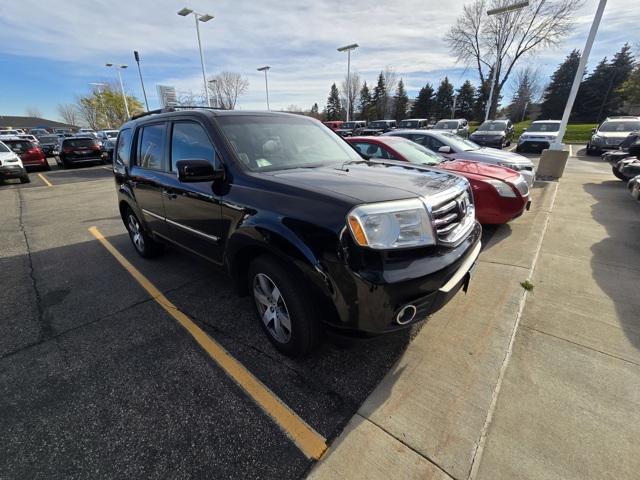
(459, 143)
(444, 125)
(410, 123)
(544, 127)
(19, 146)
(271, 143)
(48, 139)
(619, 126)
(78, 142)
(415, 153)
(3, 148)
(111, 133)
(378, 125)
(493, 126)
(349, 125)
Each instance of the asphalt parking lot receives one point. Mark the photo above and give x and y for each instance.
(98, 380)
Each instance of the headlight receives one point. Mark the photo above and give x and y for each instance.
(502, 188)
(397, 224)
(596, 139)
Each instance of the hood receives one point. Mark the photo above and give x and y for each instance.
(618, 135)
(489, 133)
(478, 170)
(373, 181)
(447, 130)
(493, 155)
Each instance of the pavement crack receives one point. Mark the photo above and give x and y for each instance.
(46, 330)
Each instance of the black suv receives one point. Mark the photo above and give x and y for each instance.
(316, 234)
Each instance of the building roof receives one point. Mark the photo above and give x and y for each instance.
(31, 122)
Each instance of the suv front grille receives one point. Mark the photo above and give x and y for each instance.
(453, 218)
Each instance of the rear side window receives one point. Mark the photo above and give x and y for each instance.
(78, 142)
(123, 155)
(189, 141)
(151, 146)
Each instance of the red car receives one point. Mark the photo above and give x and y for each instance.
(500, 194)
(334, 124)
(30, 154)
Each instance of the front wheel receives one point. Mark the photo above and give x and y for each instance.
(284, 306)
(25, 179)
(146, 246)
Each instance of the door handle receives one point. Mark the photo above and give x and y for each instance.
(169, 194)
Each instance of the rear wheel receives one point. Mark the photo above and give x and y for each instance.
(146, 246)
(619, 175)
(284, 306)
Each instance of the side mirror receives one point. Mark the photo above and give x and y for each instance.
(445, 149)
(593, 130)
(198, 171)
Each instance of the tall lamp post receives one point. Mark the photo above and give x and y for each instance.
(199, 17)
(124, 97)
(348, 48)
(499, 11)
(265, 69)
(98, 87)
(144, 92)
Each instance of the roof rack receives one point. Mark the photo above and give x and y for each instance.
(173, 108)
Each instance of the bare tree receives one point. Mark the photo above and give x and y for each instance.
(483, 41)
(527, 90)
(390, 81)
(189, 98)
(226, 87)
(88, 109)
(68, 113)
(33, 112)
(350, 92)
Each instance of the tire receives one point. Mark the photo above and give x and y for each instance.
(25, 179)
(146, 246)
(518, 149)
(294, 302)
(47, 167)
(591, 150)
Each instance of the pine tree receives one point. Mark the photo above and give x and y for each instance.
(401, 102)
(333, 110)
(480, 100)
(621, 68)
(444, 99)
(380, 97)
(630, 89)
(555, 95)
(423, 107)
(465, 101)
(314, 112)
(365, 103)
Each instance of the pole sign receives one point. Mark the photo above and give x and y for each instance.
(167, 96)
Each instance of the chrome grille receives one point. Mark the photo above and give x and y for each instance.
(453, 218)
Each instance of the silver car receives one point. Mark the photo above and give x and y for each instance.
(459, 126)
(454, 147)
(610, 133)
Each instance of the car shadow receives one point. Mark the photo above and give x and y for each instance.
(621, 219)
(494, 234)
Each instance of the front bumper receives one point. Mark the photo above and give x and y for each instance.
(371, 307)
(495, 142)
(12, 171)
(533, 145)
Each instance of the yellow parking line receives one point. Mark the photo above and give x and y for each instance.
(310, 442)
(45, 180)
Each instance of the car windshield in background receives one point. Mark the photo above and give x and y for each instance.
(378, 125)
(111, 134)
(78, 142)
(446, 126)
(410, 123)
(492, 127)
(544, 127)
(4, 148)
(19, 145)
(271, 143)
(49, 139)
(417, 154)
(459, 143)
(349, 125)
(619, 126)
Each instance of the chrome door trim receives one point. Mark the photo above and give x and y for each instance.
(213, 238)
(154, 215)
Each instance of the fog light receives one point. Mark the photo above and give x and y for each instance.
(406, 314)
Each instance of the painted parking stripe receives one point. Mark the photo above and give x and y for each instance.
(45, 180)
(310, 442)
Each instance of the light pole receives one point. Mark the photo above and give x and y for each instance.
(144, 92)
(104, 109)
(558, 145)
(124, 97)
(199, 17)
(498, 11)
(348, 48)
(265, 69)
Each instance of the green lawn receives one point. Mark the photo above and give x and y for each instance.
(576, 133)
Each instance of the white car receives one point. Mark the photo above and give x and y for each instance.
(539, 136)
(458, 126)
(11, 166)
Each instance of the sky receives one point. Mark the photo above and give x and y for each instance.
(51, 51)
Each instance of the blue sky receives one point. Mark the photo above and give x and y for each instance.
(50, 51)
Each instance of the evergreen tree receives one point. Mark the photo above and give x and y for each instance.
(444, 99)
(630, 89)
(481, 99)
(380, 97)
(465, 101)
(365, 103)
(555, 95)
(401, 102)
(333, 110)
(424, 104)
(314, 110)
(621, 68)
(524, 95)
(591, 93)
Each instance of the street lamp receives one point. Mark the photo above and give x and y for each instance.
(265, 69)
(104, 109)
(348, 48)
(124, 97)
(199, 17)
(136, 55)
(499, 11)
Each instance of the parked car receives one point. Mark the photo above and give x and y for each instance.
(458, 126)
(539, 136)
(31, 138)
(77, 150)
(108, 139)
(611, 133)
(334, 124)
(627, 168)
(88, 131)
(38, 132)
(500, 194)
(455, 148)
(298, 219)
(634, 187)
(49, 145)
(11, 166)
(493, 133)
(10, 132)
(414, 123)
(348, 129)
(30, 154)
(630, 147)
(378, 127)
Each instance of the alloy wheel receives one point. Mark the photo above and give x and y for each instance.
(272, 308)
(135, 232)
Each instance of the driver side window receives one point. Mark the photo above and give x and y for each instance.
(189, 141)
